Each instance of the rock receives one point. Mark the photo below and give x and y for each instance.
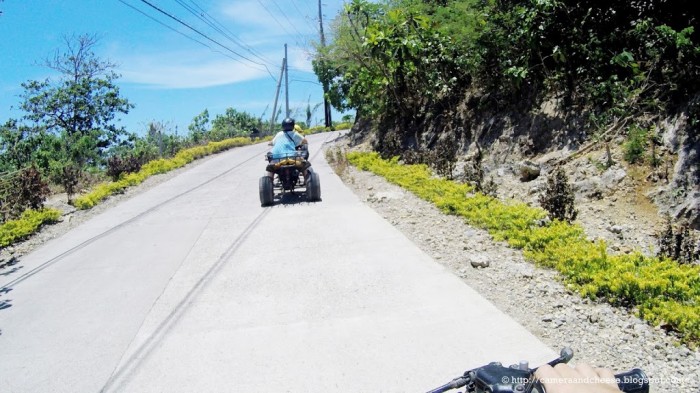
(479, 261)
(610, 179)
(588, 188)
(528, 171)
(616, 229)
(559, 322)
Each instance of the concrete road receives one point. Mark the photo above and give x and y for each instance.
(193, 287)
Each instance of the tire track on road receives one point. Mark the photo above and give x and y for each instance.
(121, 375)
(8, 287)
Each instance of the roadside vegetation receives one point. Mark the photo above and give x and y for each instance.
(660, 290)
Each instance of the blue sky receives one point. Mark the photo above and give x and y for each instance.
(165, 73)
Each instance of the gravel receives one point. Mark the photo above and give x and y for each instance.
(598, 333)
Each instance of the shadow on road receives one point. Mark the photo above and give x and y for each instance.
(291, 198)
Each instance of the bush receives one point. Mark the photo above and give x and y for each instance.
(24, 190)
(558, 197)
(29, 222)
(636, 145)
(116, 166)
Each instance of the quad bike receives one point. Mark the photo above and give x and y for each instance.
(289, 177)
(519, 378)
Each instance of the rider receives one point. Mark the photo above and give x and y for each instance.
(582, 378)
(285, 143)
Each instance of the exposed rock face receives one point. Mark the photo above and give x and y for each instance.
(680, 199)
(531, 140)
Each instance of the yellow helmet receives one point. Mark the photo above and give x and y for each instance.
(297, 128)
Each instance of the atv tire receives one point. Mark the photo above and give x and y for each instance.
(313, 188)
(266, 189)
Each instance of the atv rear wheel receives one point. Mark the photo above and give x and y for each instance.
(313, 187)
(266, 191)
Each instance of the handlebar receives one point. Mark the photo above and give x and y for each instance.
(494, 378)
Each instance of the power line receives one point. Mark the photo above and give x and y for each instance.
(305, 17)
(233, 36)
(299, 34)
(202, 15)
(163, 24)
(202, 34)
(275, 18)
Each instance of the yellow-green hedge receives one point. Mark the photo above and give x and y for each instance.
(662, 291)
(182, 158)
(29, 222)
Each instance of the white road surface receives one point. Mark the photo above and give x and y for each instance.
(193, 287)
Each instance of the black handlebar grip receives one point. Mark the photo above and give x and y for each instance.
(633, 381)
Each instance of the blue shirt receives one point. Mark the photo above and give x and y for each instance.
(285, 145)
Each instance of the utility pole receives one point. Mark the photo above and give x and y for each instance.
(286, 82)
(326, 104)
(277, 95)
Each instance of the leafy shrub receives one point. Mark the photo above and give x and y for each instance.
(28, 223)
(664, 292)
(67, 175)
(636, 145)
(23, 190)
(117, 165)
(32, 189)
(558, 197)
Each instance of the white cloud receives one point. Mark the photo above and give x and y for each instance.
(300, 59)
(249, 13)
(274, 18)
(179, 70)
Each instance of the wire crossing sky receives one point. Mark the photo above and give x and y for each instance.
(175, 57)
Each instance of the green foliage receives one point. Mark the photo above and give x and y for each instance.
(155, 167)
(199, 127)
(389, 60)
(81, 105)
(402, 61)
(233, 124)
(558, 197)
(18, 145)
(636, 145)
(663, 292)
(29, 222)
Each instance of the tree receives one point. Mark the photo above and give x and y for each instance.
(81, 105)
(233, 123)
(18, 145)
(199, 127)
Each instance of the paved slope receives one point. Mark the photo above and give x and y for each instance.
(192, 286)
